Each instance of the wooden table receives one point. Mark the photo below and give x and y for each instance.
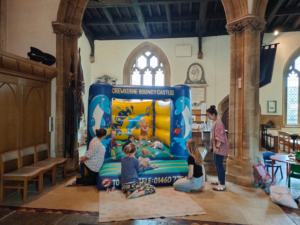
(284, 159)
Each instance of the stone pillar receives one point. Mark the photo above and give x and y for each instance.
(66, 42)
(244, 98)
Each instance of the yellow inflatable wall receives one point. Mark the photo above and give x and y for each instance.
(162, 121)
(126, 115)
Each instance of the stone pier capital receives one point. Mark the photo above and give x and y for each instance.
(249, 21)
(67, 29)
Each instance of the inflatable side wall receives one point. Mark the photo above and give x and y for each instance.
(162, 121)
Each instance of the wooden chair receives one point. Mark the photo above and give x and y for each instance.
(83, 135)
(47, 167)
(21, 174)
(43, 154)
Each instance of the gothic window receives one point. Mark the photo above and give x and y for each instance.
(148, 70)
(292, 92)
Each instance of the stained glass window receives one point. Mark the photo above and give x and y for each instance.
(148, 70)
(293, 93)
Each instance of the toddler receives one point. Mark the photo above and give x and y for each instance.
(144, 158)
(157, 144)
(131, 139)
(144, 130)
(113, 143)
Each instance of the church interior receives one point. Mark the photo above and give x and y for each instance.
(151, 70)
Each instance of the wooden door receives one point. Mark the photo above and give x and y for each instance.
(34, 107)
(10, 112)
(225, 119)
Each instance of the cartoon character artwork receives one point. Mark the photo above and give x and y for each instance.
(183, 107)
(99, 105)
(134, 123)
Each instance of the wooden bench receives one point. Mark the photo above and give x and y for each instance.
(47, 167)
(287, 142)
(43, 154)
(14, 172)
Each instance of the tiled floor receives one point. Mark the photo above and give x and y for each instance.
(238, 205)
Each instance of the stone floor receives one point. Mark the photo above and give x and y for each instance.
(79, 205)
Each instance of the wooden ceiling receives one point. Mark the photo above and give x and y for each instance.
(150, 19)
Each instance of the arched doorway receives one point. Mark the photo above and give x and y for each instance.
(225, 119)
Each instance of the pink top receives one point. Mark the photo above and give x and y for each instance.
(219, 134)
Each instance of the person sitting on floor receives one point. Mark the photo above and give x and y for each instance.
(144, 158)
(131, 138)
(157, 144)
(93, 160)
(196, 176)
(130, 168)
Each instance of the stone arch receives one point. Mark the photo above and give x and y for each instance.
(146, 46)
(223, 105)
(284, 83)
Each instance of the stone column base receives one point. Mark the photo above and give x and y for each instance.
(240, 171)
(239, 180)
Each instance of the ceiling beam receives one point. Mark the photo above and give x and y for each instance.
(168, 14)
(191, 8)
(129, 15)
(109, 3)
(272, 14)
(90, 36)
(179, 9)
(140, 17)
(201, 26)
(89, 14)
(160, 35)
(98, 14)
(128, 3)
(119, 12)
(288, 11)
(158, 10)
(111, 21)
(296, 23)
(149, 10)
(158, 19)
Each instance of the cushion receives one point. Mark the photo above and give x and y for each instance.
(281, 195)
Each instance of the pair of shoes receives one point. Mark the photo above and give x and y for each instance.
(133, 194)
(196, 190)
(219, 188)
(70, 182)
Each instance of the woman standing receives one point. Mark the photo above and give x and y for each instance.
(93, 160)
(195, 180)
(219, 145)
(130, 168)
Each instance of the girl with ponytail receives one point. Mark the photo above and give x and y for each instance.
(219, 146)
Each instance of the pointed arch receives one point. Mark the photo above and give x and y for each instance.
(139, 50)
(286, 71)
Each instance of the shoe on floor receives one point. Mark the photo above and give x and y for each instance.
(133, 194)
(196, 190)
(70, 182)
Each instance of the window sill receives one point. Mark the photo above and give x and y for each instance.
(292, 126)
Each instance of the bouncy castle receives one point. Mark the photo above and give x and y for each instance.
(167, 111)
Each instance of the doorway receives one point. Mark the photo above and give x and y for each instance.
(225, 119)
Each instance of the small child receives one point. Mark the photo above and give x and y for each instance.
(131, 138)
(144, 130)
(144, 158)
(113, 143)
(157, 144)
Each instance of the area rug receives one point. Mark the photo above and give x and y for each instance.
(164, 203)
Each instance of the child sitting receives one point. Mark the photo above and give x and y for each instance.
(157, 144)
(144, 130)
(113, 143)
(144, 158)
(131, 138)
